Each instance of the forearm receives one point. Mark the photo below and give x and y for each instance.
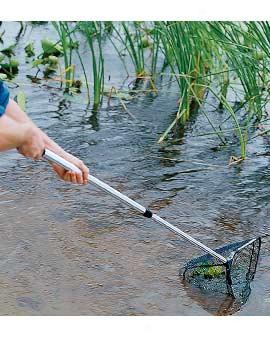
(18, 115)
(14, 111)
(12, 133)
(17, 130)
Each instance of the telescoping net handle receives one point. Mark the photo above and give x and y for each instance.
(232, 263)
(51, 156)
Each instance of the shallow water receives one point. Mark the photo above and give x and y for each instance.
(71, 250)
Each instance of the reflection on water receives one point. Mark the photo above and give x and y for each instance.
(73, 250)
(219, 304)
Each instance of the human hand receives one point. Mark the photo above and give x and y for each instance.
(70, 176)
(18, 131)
(32, 144)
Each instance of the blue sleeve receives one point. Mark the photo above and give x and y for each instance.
(4, 97)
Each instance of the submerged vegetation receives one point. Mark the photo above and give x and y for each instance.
(8, 63)
(227, 61)
(209, 271)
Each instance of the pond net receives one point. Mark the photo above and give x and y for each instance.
(233, 277)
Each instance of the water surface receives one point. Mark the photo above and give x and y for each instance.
(72, 250)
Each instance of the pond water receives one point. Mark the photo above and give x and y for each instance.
(72, 250)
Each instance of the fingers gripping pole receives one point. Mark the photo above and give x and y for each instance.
(51, 156)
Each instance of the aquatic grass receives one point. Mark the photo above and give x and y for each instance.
(241, 132)
(155, 50)
(217, 52)
(189, 57)
(119, 53)
(133, 43)
(241, 57)
(229, 60)
(239, 43)
(141, 41)
(187, 54)
(83, 70)
(93, 33)
(64, 34)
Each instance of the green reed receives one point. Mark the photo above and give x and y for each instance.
(188, 57)
(221, 58)
(93, 30)
(64, 34)
(141, 42)
(229, 60)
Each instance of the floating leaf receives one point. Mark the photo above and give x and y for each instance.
(11, 66)
(51, 48)
(9, 51)
(29, 49)
(3, 76)
(53, 61)
(21, 100)
(37, 62)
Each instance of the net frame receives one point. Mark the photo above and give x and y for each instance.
(236, 279)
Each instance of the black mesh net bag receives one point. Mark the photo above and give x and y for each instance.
(209, 274)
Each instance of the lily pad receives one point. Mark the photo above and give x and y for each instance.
(2, 76)
(10, 67)
(51, 48)
(53, 61)
(29, 49)
(9, 51)
(21, 100)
